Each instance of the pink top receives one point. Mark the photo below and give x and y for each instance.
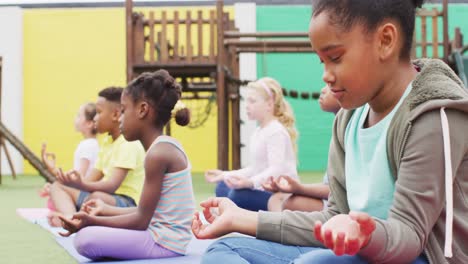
(271, 154)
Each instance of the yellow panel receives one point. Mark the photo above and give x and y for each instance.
(71, 54)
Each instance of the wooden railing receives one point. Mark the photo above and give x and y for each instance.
(169, 38)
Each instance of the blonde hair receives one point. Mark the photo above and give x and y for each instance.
(268, 87)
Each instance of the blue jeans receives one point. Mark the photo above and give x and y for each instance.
(253, 200)
(242, 250)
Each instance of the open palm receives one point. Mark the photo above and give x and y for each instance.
(345, 234)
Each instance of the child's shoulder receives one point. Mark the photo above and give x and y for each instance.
(131, 146)
(275, 128)
(88, 144)
(169, 140)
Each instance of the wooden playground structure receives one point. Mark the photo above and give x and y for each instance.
(173, 41)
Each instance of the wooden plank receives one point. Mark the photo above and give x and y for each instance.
(445, 29)
(423, 36)
(413, 47)
(164, 43)
(138, 40)
(274, 49)
(457, 39)
(129, 38)
(188, 43)
(181, 21)
(7, 154)
(237, 34)
(200, 35)
(158, 45)
(235, 110)
(176, 36)
(435, 36)
(151, 36)
(212, 36)
(428, 13)
(221, 94)
(267, 43)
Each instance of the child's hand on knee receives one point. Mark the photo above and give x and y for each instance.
(287, 184)
(75, 224)
(94, 207)
(214, 176)
(71, 178)
(345, 234)
(221, 222)
(270, 185)
(238, 182)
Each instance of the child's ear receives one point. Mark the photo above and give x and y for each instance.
(116, 113)
(143, 109)
(388, 38)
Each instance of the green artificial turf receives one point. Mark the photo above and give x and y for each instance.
(23, 242)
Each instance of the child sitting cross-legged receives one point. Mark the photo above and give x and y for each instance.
(117, 177)
(159, 227)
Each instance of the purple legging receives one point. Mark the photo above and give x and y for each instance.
(98, 242)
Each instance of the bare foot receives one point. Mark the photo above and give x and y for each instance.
(54, 220)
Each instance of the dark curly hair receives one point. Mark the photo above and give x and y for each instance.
(370, 13)
(161, 90)
(111, 94)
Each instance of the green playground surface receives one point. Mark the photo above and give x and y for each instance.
(23, 242)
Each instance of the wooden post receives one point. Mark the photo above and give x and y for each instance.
(445, 30)
(435, 33)
(423, 36)
(223, 136)
(176, 36)
(129, 33)
(212, 35)
(138, 32)
(235, 108)
(151, 37)
(188, 42)
(200, 35)
(164, 46)
(457, 39)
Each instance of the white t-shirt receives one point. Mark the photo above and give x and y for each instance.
(87, 149)
(271, 154)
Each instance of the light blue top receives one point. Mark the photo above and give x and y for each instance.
(369, 182)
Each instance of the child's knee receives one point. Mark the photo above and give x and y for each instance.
(221, 189)
(85, 243)
(289, 203)
(223, 246)
(97, 195)
(56, 185)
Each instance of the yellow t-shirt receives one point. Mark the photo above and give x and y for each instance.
(126, 155)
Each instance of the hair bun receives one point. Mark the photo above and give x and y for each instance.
(182, 117)
(417, 3)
